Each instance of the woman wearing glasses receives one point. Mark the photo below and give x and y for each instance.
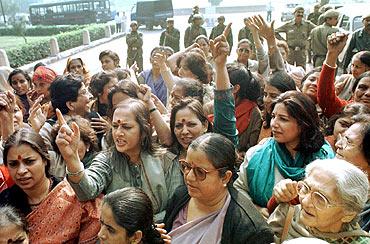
(330, 197)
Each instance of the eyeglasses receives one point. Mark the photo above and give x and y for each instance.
(319, 201)
(244, 50)
(200, 173)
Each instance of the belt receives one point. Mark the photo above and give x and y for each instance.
(133, 48)
(297, 48)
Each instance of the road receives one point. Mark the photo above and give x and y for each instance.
(151, 39)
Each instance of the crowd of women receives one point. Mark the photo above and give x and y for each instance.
(191, 150)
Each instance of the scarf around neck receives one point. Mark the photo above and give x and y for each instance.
(243, 114)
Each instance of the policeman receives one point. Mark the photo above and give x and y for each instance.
(319, 35)
(297, 32)
(194, 30)
(314, 16)
(245, 33)
(171, 36)
(360, 41)
(218, 30)
(195, 11)
(134, 41)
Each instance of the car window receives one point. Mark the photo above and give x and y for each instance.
(357, 23)
(344, 24)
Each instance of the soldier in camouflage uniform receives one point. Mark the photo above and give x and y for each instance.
(194, 30)
(320, 34)
(171, 36)
(297, 32)
(134, 41)
(314, 17)
(218, 29)
(245, 33)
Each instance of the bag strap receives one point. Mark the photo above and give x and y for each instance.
(287, 223)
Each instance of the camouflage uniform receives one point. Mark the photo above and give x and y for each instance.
(218, 30)
(172, 39)
(134, 41)
(193, 32)
(296, 38)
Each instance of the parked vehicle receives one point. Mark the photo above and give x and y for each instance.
(152, 13)
(70, 12)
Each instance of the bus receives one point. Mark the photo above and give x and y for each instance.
(70, 12)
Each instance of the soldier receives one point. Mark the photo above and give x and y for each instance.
(134, 41)
(171, 36)
(217, 30)
(360, 41)
(297, 32)
(194, 30)
(195, 11)
(319, 35)
(314, 17)
(245, 33)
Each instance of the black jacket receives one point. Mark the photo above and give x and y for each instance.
(243, 223)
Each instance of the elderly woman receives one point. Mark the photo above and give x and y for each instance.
(127, 217)
(331, 196)
(209, 209)
(13, 227)
(296, 142)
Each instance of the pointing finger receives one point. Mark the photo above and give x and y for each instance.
(227, 30)
(60, 118)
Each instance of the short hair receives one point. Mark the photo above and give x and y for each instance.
(283, 44)
(249, 86)
(302, 108)
(197, 65)
(133, 211)
(70, 85)
(27, 136)
(99, 80)
(314, 70)
(10, 215)
(352, 184)
(282, 81)
(242, 41)
(19, 71)
(114, 56)
(200, 37)
(191, 88)
(220, 152)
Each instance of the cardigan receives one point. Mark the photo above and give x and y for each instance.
(242, 224)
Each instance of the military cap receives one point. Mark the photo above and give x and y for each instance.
(170, 20)
(197, 16)
(366, 16)
(331, 13)
(298, 8)
(221, 17)
(133, 23)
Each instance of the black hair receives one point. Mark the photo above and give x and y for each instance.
(114, 56)
(249, 86)
(282, 81)
(364, 57)
(133, 211)
(38, 65)
(197, 65)
(315, 70)
(19, 71)
(124, 86)
(191, 88)
(363, 75)
(99, 80)
(69, 85)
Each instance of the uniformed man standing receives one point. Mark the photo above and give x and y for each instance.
(245, 33)
(320, 34)
(360, 41)
(314, 16)
(194, 30)
(219, 29)
(297, 32)
(171, 36)
(195, 11)
(134, 41)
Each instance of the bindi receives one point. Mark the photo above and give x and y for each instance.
(119, 121)
(20, 158)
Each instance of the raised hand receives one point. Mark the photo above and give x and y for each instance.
(220, 47)
(100, 125)
(265, 30)
(68, 139)
(160, 59)
(7, 104)
(336, 42)
(285, 190)
(144, 93)
(38, 114)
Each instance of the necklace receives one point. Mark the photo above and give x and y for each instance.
(34, 205)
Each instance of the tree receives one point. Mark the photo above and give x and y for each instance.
(19, 27)
(215, 2)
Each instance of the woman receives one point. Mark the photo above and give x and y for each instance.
(186, 87)
(127, 217)
(43, 200)
(296, 142)
(109, 60)
(277, 84)
(13, 227)
(209, 209)
(329, 102)
(309, 83)
(42, 78)
(331, 196)
(131, 162)
(203, 43)
(77, 66)
(123, 90)
(21, 83)
(360, 64)
(246, 91)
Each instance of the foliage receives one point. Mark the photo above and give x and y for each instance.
(31, 52)
(41, 30)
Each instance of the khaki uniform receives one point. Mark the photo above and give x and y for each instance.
(172, 39)
(318, 38)
(360, 41)
(296, 38)
(193, 32)
(314, 17)
(134, 42)
(218, 30)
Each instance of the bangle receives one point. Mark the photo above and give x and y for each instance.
(152, 110)
(76, 173)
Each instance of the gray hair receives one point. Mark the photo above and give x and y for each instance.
(352, 183)
(9, 215)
